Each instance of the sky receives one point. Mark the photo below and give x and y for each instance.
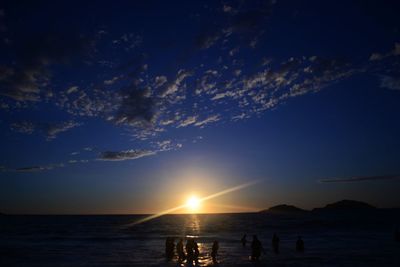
(134, 106)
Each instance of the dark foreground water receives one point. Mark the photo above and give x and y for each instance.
(53, 241)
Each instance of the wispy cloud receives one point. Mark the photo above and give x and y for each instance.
(26, 80)
(389, 82)
(211, 119)
(380, 56)
(360, 179)
(72, 89)
(125, 155)
(176, 84)
(51, 130)
(39, 168)
(188, 121)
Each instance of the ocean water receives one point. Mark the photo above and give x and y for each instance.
(55, 241)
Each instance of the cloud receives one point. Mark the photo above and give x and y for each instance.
(23, 127)
(111, 81)
(188, 121)
(167, 145)
(72, 89)
(206, 40)
(51, 130)
(211, 119)
(73, 161)
(207, 83)
(389, 82)
(22, 85)
(159, 81)
(129, 41)
(247, 20)
(35, 53)
(252, 94)
(125, 155)
(376, 56)
(175, 85)
(360, 179)
(137, 108)
(89, 103)
(30, 169)
(39, 168)
(379, 56)
(228, 9)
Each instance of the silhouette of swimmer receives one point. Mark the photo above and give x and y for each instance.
(275, 243)
(299, 244)
(179, 250)
(196, 252)
(243, 240)
(169, 248)
(189, 250)
(214, 251)
(192, 251)
(256, 248)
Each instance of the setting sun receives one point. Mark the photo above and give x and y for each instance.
(193, 204)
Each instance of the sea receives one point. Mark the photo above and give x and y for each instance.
(116, 241)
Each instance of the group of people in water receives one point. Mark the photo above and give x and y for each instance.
(257, 248)
(191, 248)
(190, 252)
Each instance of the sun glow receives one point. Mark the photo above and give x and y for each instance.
(193, 203)
(196, 200)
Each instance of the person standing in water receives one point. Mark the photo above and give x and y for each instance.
(300, 244)
(275, 243)
(189, 251)
(169, 248)
(256, 248)
(244, 240)
(179, 250)
(196, 252)
(214, 251)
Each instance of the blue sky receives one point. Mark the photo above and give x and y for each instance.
(129, 107)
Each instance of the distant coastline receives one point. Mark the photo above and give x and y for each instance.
(339, 206)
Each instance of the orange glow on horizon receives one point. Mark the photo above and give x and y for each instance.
(194, 202)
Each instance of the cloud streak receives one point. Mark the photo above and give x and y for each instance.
(360, 179)
(125, 155)
(38, 168)
(50, 130)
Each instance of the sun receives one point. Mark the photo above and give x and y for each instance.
(193, 203)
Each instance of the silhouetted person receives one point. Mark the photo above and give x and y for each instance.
(196, 252)
(189, 251)
(179, 250)
(275, 243)
(256, 248)
(300, 244)
(169, 248)
(214, 251)
(243, 240)
(397, 235)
